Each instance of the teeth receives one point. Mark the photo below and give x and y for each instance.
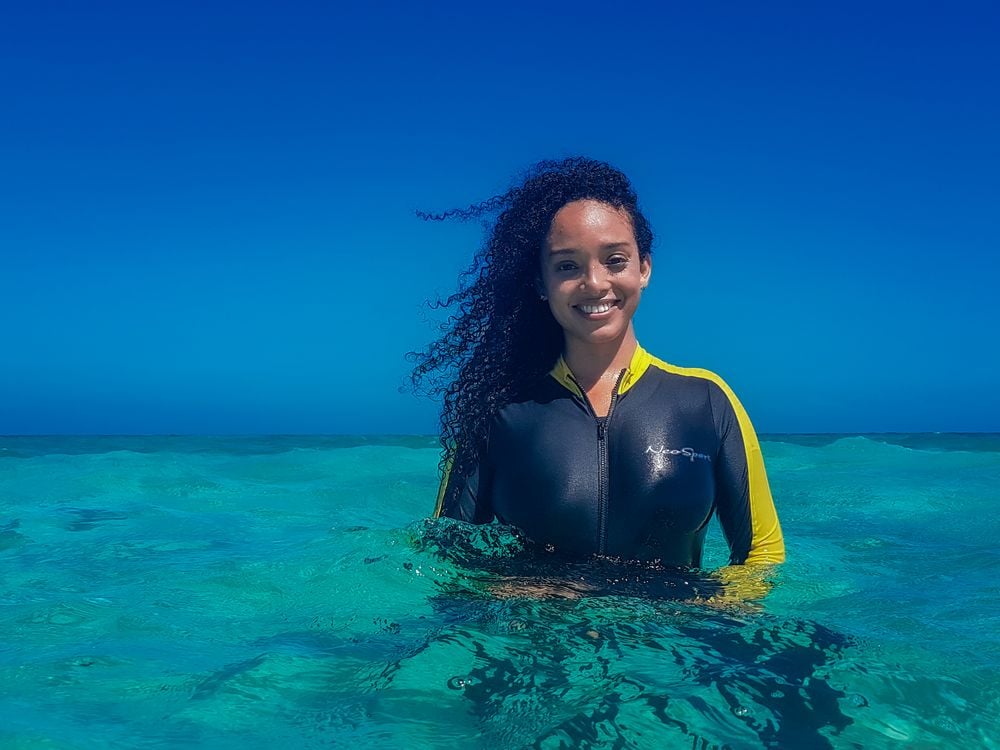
(591, 309)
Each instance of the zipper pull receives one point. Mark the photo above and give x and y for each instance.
(602, 427)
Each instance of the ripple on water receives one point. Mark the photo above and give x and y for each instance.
(63, 621)
(86, 519)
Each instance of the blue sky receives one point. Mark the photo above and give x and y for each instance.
(208, 210)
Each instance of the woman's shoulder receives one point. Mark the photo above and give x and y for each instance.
(717, 391)
(657, 367)
(694, 379)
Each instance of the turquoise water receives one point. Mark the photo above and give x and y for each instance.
(284, 591)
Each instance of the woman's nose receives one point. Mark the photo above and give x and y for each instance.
(596, 278)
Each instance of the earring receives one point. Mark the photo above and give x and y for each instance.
(542, 297)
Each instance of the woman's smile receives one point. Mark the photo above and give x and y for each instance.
(596, 310)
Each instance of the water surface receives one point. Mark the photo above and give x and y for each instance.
(246, 592)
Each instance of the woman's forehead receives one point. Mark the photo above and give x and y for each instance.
(592, 221)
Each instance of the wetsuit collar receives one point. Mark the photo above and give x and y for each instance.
(636, 367)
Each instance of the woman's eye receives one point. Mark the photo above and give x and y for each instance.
(617, 263)
(567, 266)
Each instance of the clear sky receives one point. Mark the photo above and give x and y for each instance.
(207, 209)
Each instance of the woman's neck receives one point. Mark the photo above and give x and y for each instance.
(590, 362)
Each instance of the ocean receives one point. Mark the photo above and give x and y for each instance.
(262, 592)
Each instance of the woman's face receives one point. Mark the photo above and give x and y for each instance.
(592, 274)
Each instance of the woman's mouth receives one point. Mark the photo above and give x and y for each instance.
(596, 308)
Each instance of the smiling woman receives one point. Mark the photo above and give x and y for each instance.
(593, 275)
(555, 421)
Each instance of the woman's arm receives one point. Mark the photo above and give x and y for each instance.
(743, 497)
(465, 498)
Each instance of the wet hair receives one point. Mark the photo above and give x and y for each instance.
(501, 336)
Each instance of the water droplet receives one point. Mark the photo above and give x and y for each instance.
(741, 711)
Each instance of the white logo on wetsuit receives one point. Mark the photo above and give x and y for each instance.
(689, 453)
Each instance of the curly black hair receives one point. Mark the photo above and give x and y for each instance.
(501, 336)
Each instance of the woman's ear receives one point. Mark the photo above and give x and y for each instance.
(540, 288)
(645, 270)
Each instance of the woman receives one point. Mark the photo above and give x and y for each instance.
(558, 422)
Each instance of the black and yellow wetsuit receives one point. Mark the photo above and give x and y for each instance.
(642, 483)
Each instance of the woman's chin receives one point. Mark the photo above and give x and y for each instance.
(601, 336)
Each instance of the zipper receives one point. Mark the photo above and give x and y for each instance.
(603, 468)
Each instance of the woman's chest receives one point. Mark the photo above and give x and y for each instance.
(559, 474)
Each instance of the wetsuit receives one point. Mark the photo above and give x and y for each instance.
(676, 447)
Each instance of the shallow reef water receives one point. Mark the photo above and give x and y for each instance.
(266, 591)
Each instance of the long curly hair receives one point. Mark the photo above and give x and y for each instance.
(501, 335)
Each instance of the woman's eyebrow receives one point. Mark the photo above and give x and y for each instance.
(608, 246)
